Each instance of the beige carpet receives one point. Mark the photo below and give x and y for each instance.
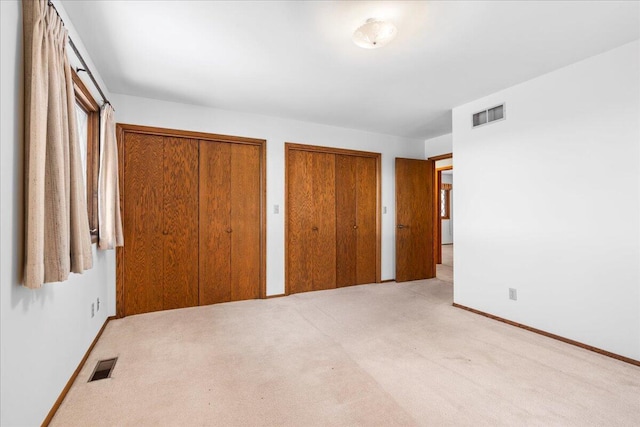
(444, 271)
(373, 355)
(447, 255)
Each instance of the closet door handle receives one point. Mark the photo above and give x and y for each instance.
(355, 227)
(314, 228)
(402, 226)
(165, 232)
(229, 230)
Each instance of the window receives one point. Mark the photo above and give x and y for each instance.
(82, 118)
(88, 117)
(444, 204)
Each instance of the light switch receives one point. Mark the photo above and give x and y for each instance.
(276, 209)
(384, 210)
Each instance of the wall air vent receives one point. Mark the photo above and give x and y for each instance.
(489, 115)
(103, 369)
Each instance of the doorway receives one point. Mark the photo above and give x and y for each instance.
(444, 215)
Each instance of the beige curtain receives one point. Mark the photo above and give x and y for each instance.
(57, 238)
(109, 221)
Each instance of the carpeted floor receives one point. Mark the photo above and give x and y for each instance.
(372, 355)
(444, 271)
(447, 255)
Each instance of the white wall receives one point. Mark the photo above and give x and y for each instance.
(438, 145)
(447, 224)
(277, 131)
(44, 333)
(546, 230)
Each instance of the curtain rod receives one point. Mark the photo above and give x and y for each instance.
(82, 61)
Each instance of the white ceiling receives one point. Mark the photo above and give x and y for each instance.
(297, 60)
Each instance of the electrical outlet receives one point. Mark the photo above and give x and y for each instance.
(97, 304)
(513, 294)
(93, 312)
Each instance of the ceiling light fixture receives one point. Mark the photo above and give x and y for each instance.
(374, 34)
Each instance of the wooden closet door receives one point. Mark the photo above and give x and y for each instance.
(356, 204)
(311, 218)
(245, 222)
(300, 204)
(143, 223)
(324, 221)
(366, 214)
(193, 216)
(214, 220)
(180, 207)
(347, 184)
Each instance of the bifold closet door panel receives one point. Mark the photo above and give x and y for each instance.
(324, 221)
(245, 221)
(180, 254)
(215, 226)
(300, 204)
(143, 226)
(346, 222)
(366, 212)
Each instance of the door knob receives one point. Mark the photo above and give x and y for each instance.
(229, 230)
(314, 228)
(165, 232)
(355, 227)
(402, 226)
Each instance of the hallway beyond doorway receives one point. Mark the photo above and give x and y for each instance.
(444, 271)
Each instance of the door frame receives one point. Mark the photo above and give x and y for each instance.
(291, 146)
(122, 128)
(438, 180)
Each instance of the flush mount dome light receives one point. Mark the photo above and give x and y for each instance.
(374, 34)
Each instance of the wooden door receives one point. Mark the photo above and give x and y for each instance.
(180, 223)
(346, 220)
(160, 223)
(245, 221)
(323, 242)
(299, 221)
(415, 219)
(193, 216)
(311, 233)
(143, 226)
(215, 222)
(366, 220)
(230, 205)
(356, 230)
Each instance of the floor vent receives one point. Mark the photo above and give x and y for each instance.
(103, 369)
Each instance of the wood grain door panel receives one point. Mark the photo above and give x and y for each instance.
(300, 221)
(415, 220)
(245, 222)
(215, 222)
(356, 226)
(346, 221)
(333, 229)
(366, 214)
(193, 216)
(143, 223)
(324, 221)
(180, 231)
